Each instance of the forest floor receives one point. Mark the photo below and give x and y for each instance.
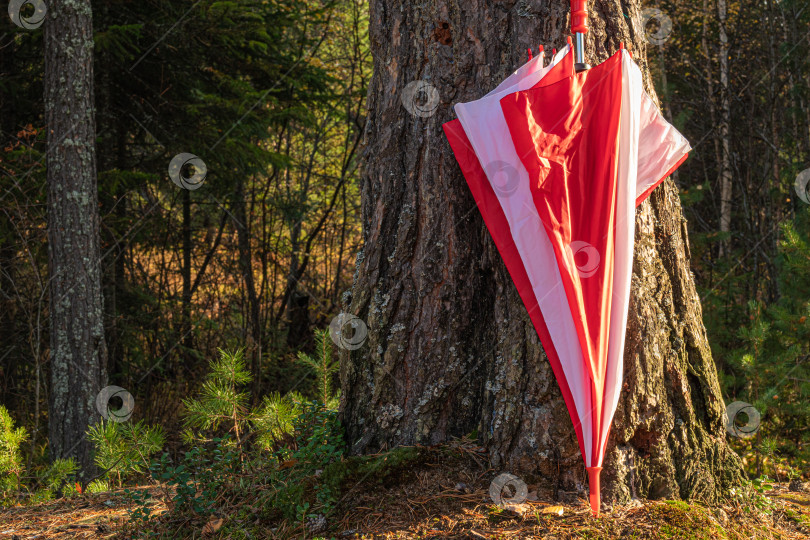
(445, 494)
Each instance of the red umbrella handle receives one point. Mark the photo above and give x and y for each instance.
(579, 17)
(579, 26)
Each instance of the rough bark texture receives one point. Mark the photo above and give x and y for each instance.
(78, 356)
(450, 347)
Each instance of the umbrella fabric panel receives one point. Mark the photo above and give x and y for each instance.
(658, 149)
(484, 125)
(651, 150)
(626, 186)
(662, 149)
(498, 227)
(567, 135)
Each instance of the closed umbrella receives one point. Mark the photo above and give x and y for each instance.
(557, 195)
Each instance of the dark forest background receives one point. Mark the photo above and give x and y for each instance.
(271, 96)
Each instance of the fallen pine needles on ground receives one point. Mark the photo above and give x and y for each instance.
(418, 492)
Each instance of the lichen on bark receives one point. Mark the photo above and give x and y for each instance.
(77, 352)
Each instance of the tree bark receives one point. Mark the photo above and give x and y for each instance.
(254, 336)
(725, 136)
(450, 348)
(78, 355)
(186, 326)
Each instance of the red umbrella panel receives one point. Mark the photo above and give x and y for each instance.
(543, 216)
(484, 124)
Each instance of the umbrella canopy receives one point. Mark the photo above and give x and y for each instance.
(581, 152)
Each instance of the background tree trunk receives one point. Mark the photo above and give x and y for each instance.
(725, 136)
(78, 354)
(450, 347)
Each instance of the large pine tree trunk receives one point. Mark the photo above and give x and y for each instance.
(450, 346)
(78, 356)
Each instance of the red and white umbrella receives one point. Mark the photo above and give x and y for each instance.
(557, 161)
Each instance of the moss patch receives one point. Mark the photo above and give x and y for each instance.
(679, 519)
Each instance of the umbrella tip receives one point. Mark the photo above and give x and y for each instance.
(530, 53)
(553, 52)
(541, 48)
(594, 489)
(621, 45)
(569, 40)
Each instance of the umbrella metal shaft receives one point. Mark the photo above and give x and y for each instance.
(579, 53)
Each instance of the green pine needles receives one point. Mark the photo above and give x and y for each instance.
(221, 400)
(325, 368)
(11, 467)
(222, 403)
(274, 421)
(125, 449)
(274, 455)
(771, 370)
(42, 483)
(275, 452)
